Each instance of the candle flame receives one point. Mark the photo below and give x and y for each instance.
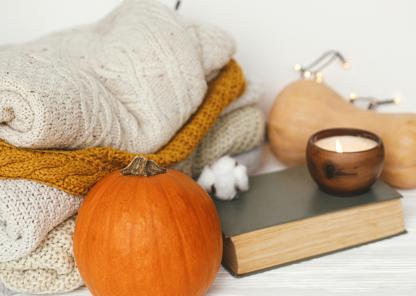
(338, 146)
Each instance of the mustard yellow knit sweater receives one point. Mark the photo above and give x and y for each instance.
(76, 171)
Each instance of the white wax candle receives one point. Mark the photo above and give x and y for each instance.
(346, 143)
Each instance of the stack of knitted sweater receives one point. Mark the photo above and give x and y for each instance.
(78, 104)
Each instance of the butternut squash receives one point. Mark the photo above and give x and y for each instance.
(305, 107)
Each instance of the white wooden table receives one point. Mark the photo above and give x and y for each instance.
(386, 267)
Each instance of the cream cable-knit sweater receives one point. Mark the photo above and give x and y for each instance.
(130, 81)
(50, 268)
(29, 210)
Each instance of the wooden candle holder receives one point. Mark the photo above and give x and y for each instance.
(346, 173)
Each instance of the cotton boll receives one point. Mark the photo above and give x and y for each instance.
(241, 177)
(224, 178)
(225, 188)
(223, 165)
(207, 179)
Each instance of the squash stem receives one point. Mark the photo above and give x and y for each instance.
(141, 166)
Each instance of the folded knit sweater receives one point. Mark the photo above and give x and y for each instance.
(129, 81)
(49, 269)
(28, 210)
(38, 273)
(76, 171)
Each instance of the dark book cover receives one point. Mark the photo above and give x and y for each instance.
(286, 196)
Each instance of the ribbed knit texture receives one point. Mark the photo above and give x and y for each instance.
(129, 82)
(76, 171)
(28, 211)
(49, 269)
(234, 133)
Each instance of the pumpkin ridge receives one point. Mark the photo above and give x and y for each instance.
(132, 239)
(172, 214)
(97, 205)
(220, 245)
(105, 221)
(201, 229)
(156, 242)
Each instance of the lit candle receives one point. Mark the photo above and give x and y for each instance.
(345, 161)
(346, 143)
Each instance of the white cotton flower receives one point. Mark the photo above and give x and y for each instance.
(241, 177)
(224, 178)
(207, 179)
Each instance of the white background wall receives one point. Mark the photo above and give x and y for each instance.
(377, 36)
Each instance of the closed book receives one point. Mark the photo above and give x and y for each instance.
(285, 218)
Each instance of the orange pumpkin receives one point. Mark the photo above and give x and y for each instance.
(147, 231)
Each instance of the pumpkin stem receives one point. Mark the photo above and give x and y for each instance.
(141, 166)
